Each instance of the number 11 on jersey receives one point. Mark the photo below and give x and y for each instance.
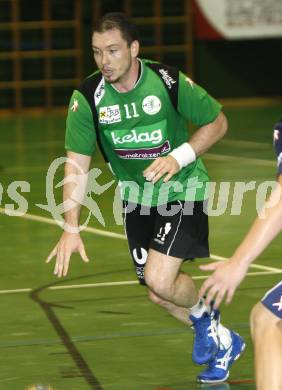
(133, 110)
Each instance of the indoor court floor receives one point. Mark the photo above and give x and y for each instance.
(96, 329)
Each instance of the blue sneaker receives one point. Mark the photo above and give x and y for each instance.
(206, 342)
(218, 368)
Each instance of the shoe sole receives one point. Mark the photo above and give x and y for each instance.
(227, 375)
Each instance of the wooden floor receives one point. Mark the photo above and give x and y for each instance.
(96, 329)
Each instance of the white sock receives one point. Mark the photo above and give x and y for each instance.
(224, 336)
(199, 309)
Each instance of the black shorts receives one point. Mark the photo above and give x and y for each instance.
(178, 229)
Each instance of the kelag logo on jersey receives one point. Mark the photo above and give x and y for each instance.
(147, 142)
(110, 114)
(133, 137)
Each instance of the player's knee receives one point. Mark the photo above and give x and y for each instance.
(159, 301)
(260, 318)
(159, 285)
(162, 290)
(155, 298)
(256, 317)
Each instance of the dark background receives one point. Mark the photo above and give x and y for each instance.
(32, 75)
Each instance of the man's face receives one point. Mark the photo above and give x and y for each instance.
(112, 54)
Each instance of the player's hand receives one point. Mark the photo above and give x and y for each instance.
(223, 282)
(161, 166)
(68, 244)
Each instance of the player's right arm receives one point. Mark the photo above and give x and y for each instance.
(229, 274)
(80, 144)
(197, 106)
(70, 240)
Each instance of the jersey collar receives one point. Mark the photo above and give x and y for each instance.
(140, 74)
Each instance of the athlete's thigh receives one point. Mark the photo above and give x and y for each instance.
(139, 228)
(161, 269)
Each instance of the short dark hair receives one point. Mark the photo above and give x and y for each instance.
(119, 21)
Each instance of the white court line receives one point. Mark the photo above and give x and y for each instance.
(112, 284)
(258, 266)
(254, 161)
(245, 144)
(51, 221)
(267, 270)
(19, 290)
(107, 233)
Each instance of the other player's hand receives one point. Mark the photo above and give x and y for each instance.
(68, 244)
(223, 282)
(161, 166)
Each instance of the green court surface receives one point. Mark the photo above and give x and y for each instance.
(96, 329)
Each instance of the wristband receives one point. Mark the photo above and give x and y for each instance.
(184, 154)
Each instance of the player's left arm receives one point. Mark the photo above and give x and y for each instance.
(195, 105)
(206, 136)
(199, 143)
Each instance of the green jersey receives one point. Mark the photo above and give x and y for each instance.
(133, 128)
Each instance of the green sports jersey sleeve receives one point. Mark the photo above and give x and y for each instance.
(195, 104)
(80, 131)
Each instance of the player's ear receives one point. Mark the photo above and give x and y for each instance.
(134, 48)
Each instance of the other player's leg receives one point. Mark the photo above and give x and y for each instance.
(266, 327)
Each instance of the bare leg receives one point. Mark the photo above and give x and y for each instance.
(178, 312)
(267, 336)
(176, 292)
(163, 277)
